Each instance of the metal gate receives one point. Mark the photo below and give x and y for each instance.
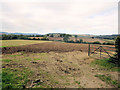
(101, 49)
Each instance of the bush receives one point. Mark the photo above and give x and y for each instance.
(116, 58)
(117, 46)
(108, 43)
(84, 42)
(44, 38)
(81, 40)
(70, 41)
(12, 36)
(66, 37)
(97, 42)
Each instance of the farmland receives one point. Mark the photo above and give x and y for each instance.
(53, 65)
(11, 43)
(85, 39)
(48, 47)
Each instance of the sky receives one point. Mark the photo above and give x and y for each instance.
(98, 17)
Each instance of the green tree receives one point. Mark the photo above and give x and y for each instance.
(116, 58)
(96, 42)
(77, 41)
(81, 40)
(66, 37)
(117, 46)
(76, 36)
(52, 35)
(44, 38)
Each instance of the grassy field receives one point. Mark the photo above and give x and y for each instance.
(110, 41)
(11, 43)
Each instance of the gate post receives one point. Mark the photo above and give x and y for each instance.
(88, 49)
(100, 51)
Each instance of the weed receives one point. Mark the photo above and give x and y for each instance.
(37, 59)
(107, 79)
(6, 60)
(43, 53)
(66, 84)
(28, 58)
(39, 87)
(57, 82)
(80, 87)
(77, 82)
(14, 55)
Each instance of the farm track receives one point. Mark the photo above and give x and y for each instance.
(48, 47)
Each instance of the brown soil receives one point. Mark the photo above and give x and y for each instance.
(60, 70)
(48, 47)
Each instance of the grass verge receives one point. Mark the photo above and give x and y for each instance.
(15, 77)
(108, 80)
(106, 65)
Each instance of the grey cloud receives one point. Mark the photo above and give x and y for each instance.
(65, 16)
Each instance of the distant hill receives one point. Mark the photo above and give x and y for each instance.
(107, 36)
(20, 33)
(62, 34)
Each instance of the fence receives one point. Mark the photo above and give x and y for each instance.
(101, 49)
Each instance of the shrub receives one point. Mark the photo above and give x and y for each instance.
(44, 38)
(81, 40)
(108, 43)
(66, 37)
(116, 58)
(97, 42)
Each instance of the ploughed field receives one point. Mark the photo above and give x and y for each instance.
(50, 46)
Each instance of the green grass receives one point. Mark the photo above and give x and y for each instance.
(77, 82)
(105, 64)
(0, 79)
(12, 43)
(110, 41)
(57, 82)
(14, 78)
(6, 60)
(108, 80)
(14, 55)
(3, 46)
(37, 59)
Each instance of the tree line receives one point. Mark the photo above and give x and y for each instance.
(13, 36)
(111, 37)
(96, 42)
(45, 37)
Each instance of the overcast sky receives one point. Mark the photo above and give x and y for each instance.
(60, 16)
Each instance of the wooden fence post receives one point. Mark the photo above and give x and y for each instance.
(100, 51)
(88, 49)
